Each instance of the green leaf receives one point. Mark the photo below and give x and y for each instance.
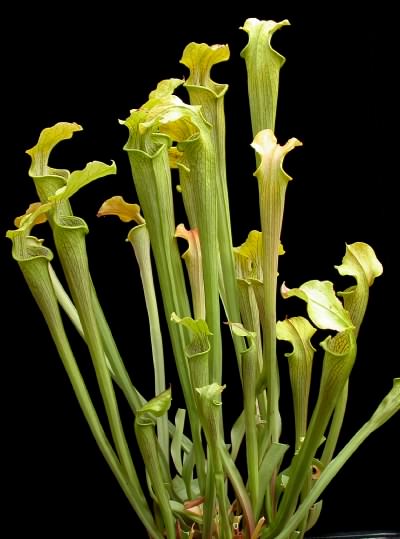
(211, 393)
(241, 331)
(159, 484)
(80, 178)
(153, 128)
(176, 443)
(339, 357)
(200, 58)
(179, 488)
(204, 92)
(26, 247)
(272, 184)
(237, 434)
(187, 472)
(147, 149)
(48, 139)
(340, 353)
(272, 461)
(272, 155)
(360, 262)
(29, 248)
(298, 331)
(158, 405)
(248, 261)
(238, 486)
(164, 113)
(34, 215)
(139, 238)
(39, 218)
(33, 260)
(189, 515)
(323, 307)
(57, 185)
(193, 261)
(199, 328)
(249, 257)
(263, 64)
(249, 378)
(249, 312)
(165, 89)
(209, 406)
(313, 515)
(389, 406)
(68, 233)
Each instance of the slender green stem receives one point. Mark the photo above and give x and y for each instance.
(40, 284)
(200, 58)
(210, 415)
(263, 65)
(304, 492)
(335, 427)
(269, 464)
(238, 486)
(298, 331)
(158, 210)
(65, 301)
(112, 356)
(148, 447)
(118, 369)
(249, 364)
(202, 164)
(139, 238)
(199, 374)
(249, 312)
(70, 247)
(340, 352)
(270, 371)
(251, 321)
(225, 525)
(272, 184)
(325, 478)
(209, 498)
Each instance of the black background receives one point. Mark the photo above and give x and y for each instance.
(337, 97)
